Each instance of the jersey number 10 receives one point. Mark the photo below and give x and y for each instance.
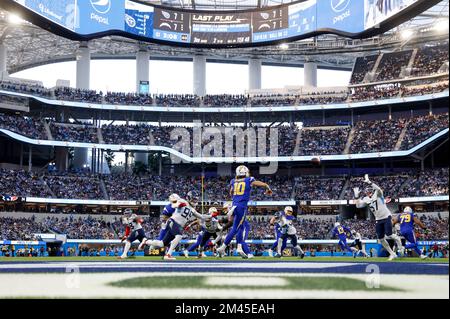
(239, 188)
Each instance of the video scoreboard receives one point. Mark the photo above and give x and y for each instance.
(221, 28)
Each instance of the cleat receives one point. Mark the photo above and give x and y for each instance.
(186, 253)
(302, 256)
(221, 250)
(203, 255)
(270, 253)
(141, 245)
(250, 256)
(241, 253)
(169, 257)
(392, 257)
(277, 255)
(423, 257)
(402, 251)
(121, 257)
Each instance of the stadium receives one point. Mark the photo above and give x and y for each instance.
(224, 149)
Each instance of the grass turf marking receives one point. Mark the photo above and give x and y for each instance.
(292, 283)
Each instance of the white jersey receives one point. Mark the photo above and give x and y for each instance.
(376, 203)
(357, 236)
(212, 225)
(184, 213)
(133, 222)
(288, 224)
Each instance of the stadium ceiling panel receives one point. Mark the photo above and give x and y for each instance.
(30, 46)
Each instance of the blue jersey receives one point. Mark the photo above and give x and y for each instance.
(341, 231)
(406, 222)
(241, 189)
(168, 210)
(277, 225)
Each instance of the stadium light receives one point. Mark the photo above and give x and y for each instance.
(14, 19)
(406, 34)
(441, 26)
(283, 46)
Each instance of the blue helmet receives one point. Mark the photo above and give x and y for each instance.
(192, 197)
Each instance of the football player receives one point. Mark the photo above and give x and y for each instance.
(167, 213)
(407, 221)
(133, 231)
(288, 231)
(374, 199)
(357, 243)
(240, 190)
(184, 213)
(275, 223)
(341, 232)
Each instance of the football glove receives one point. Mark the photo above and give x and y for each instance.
(356, 192)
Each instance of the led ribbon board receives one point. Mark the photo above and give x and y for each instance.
(87, 19)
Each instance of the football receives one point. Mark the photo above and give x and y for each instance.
(315, 161)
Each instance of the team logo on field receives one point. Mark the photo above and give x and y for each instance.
(339, 5)
(101, 6)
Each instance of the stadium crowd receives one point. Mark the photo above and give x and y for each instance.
(391, 65)
(427, 61)
(23, 125)
(422, 128)
(368, 137)
(376, 136)
(427, 183)
(363, 65)
(74, 133)
(79, 186)
(127, 186)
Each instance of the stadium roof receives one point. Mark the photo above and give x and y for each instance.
(30, 46)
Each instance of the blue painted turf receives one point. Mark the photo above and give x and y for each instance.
(229, 266)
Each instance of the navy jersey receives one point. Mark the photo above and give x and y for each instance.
(406, 222)
(341, 231)
(168, 210)
(241, 189)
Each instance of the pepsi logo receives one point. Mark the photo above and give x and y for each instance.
(101, 6)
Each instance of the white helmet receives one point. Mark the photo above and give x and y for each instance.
(174, 198)
(336, 224)
(213, 211)
(242, 170)
(408, 210)
(288, 209)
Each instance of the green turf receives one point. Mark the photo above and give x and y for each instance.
(268, 259)
(293, 283)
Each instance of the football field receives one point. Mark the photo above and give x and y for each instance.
(151, 277)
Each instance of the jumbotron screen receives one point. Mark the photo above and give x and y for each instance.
(295, 20)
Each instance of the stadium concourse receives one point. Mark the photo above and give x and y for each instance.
(304, 190)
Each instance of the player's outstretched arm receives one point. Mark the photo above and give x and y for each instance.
(272, 220)
(189, 226)
(418, 222)
(200, 216)
(262, 185)
(377, 188)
